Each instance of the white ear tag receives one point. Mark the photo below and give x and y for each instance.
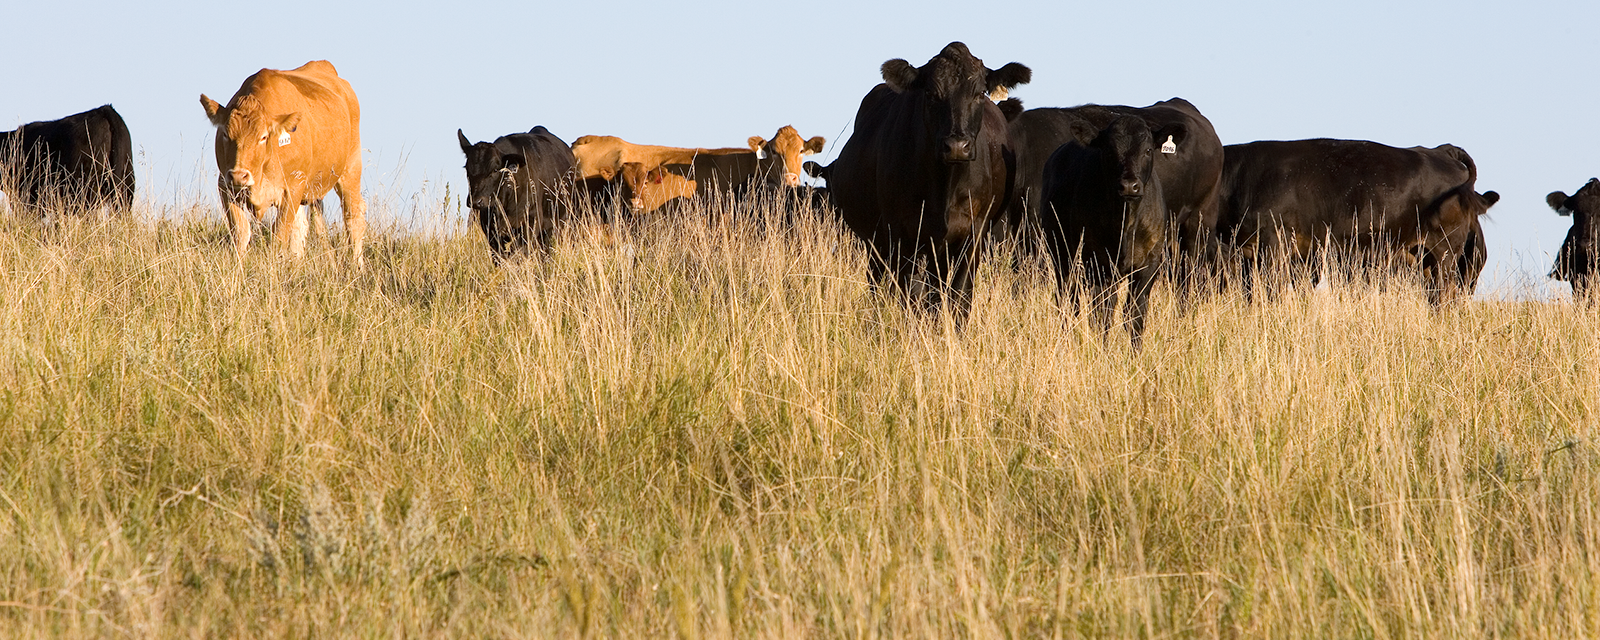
(1169, 146)
(283, 138)
(761, 154)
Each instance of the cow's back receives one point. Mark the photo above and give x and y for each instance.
(551, 167)
(1324, 186)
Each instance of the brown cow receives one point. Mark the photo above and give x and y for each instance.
(284, 140)
(776, 161)
(650, 189)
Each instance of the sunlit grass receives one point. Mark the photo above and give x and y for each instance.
(710, 425)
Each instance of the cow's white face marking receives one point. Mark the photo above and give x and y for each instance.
(283, 138)
(1169, 146)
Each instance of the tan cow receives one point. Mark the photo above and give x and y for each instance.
(648, 189)
(284, 140)
(776, 161)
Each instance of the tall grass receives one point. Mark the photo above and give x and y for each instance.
(710, 425)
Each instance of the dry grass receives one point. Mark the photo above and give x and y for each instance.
(713, 429)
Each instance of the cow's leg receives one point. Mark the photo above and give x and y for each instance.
(1139, 286)
(963, 263)
(355, 208)
(318, 222)
(297, 232)
(238, 220)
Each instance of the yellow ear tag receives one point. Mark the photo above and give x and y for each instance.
(1169, 146)
(283, 138)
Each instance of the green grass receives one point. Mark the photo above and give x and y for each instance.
(718, 429)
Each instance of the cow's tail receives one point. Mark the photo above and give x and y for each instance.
(119, 159)
(1460, 155)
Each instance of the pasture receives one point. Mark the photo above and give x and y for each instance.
(711, 426)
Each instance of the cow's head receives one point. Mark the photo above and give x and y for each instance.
(781, 156)
(958, 87)
(1577, 261)
(492, 194)
(635, 180)
(1131, 145)
(248, 147)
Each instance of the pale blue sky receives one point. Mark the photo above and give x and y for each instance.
(1511, 82)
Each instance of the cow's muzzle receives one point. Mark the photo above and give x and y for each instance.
(242, 178)
(958, 149)
(1131, 189)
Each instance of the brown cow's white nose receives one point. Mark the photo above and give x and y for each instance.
(242, 177)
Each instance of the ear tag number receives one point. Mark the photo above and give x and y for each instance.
(283, 138)
(1169, 146)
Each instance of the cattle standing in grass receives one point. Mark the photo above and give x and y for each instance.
(83, 159)
(283, 141)
(1189, 169)
(1103, 213)
(1416, 205)
(519, 187)
(1576, 262)
(775, 162)
(926, 169)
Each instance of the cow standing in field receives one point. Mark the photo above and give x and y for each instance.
(1576, 262)
(1417, 206)
(647, 190)
(85, 159)
(283, 141)
(1103, 211)
(519, 187)
(1189, 170)
(926, 168)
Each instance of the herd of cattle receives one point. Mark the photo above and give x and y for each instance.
(940, 160)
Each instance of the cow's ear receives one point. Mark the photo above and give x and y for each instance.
(1558, 201)
(213, 111)
(1491, 197)
(1083, 131)
(756, 143)
(1177, 131)
(512, 162)
(898, 74)
(813, 169)
(466, 145)
(289, 122)
(1010, 108)
(814, 145)
(1009, 76)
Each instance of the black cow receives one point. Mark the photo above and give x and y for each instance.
(1576, 262)
(1104, 215)
(1189, 169)
(519, 187)
(84, 158)
(926, 169)
(1416, 205)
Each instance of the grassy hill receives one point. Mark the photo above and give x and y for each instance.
(719, 429)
